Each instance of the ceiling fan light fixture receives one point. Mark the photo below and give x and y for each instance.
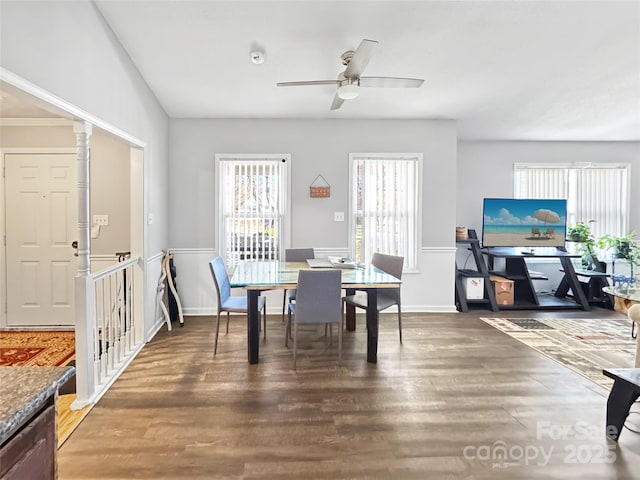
(348, 90)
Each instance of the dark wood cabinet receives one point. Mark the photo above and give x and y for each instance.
(31, 452)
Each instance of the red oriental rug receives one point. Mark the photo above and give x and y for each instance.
(36, 348)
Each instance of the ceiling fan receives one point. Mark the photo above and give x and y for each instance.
(350, 81)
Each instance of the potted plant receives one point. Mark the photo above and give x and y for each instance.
(580, 233)
(624, 248)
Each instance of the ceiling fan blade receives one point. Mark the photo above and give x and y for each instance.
(360, 58)
(390, 82)
(337, 102)
(309, 82)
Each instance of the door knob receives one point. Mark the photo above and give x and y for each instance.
(74, 244)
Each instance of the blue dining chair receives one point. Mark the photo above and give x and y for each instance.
(318, 301)
(227, 303)
(294, 255)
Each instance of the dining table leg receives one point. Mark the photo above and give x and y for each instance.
(253, 325)
(372, 325)
(350, 313)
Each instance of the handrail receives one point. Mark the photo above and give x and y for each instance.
(115, 268)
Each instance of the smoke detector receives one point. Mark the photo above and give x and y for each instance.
(257, 58)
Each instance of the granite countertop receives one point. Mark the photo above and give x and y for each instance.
(23, 390)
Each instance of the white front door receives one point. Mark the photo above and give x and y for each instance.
(41, 212)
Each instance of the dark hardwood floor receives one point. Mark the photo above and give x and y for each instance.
(459, 400)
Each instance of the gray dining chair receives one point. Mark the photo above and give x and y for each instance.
(227, 303)
(387, 297)
(318, 301)
(294, 255)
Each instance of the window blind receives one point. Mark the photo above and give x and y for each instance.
(597, 194)
(385, 205)
(252, 208)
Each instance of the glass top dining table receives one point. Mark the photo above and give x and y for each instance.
(623, 298)
(259, 276)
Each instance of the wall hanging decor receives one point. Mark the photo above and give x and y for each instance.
(317, 190)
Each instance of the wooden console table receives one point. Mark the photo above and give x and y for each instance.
(525, 296)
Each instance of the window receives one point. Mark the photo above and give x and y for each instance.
(595, 193)
(385, 192)
(252, 206)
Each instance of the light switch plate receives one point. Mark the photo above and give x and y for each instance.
(102, 220)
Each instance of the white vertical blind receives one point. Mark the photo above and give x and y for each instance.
(602, 195)
(597, 194)
(252, 196)
(541, 182)
(385, 206)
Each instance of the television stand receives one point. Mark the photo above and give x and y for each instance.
(525, 296)
(488, 299)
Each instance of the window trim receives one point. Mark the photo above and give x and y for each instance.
(286, 181)
(418, 157)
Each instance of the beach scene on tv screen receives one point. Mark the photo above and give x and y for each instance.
(524, 222)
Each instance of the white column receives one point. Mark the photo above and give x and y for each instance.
(83, 132)
(84, 294)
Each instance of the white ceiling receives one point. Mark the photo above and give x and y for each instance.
(519, 70)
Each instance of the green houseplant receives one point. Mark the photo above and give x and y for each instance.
(624, 248)
(580, 233)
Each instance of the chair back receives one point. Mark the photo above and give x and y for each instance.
(392, 265)
(319, 299)
(220, 280)
(298, 254)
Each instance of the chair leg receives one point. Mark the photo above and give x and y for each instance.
(284, 303)
(330, 332)
(295, 342)
(340, 343)
(264, 320)
(215, 347)
(227, 323)
(287, 331)
(400, 322)
(290, 328)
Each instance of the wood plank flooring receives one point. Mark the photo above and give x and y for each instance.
(68, 419)
(459, 400)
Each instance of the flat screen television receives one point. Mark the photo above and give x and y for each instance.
(524, 222)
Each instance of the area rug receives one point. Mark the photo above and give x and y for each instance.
(36, 348)
(585, 345)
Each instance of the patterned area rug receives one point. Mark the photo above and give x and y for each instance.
(585, 345)
(36, 348)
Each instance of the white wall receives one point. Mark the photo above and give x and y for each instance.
(110, 194)
(66, 49)
(109, 177)
(316, 146)
(485, 169)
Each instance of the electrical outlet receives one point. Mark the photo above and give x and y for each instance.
(338, 216)
(102, 220)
